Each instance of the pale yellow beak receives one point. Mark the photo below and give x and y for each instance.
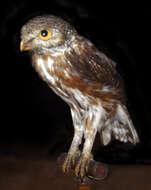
(24, 46)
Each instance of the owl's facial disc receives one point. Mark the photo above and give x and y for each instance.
(41, 39)
(43, 34)
(31, 43)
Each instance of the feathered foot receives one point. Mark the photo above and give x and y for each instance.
(70, 161)
(83, 164)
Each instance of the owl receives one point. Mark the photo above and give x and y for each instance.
(86, 79)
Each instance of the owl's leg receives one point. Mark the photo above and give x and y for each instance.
(86, 156)
(93, 121)
(74, 151)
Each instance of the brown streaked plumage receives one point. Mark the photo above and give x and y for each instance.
(85, 79)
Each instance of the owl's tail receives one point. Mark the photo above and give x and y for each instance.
(121, 127)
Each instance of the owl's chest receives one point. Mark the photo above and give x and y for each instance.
(45, 67)
(60, 78)
(55, 73)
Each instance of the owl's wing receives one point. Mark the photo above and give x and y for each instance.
(93, 65)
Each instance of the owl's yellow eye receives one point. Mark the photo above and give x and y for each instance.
(45, 34)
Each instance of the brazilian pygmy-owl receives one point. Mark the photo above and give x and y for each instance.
(85, 78)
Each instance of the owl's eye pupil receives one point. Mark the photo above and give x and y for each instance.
(44, 33)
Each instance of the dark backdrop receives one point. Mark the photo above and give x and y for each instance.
(32, 114)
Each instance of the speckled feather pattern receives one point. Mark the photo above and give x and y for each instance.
(86, 80)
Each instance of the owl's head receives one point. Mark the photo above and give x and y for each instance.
(43, 33)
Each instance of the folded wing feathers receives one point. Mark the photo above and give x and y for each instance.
(121, 127)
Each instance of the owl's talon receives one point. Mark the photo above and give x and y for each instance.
(65, 167)
(73, 161)
(83, 165)
(67, 164)
(76, 155)
(70, 161)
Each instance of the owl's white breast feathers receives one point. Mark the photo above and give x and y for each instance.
(42, 67)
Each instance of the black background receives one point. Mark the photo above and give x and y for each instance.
(32, 114)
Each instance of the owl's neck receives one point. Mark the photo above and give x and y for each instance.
(54, 51)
